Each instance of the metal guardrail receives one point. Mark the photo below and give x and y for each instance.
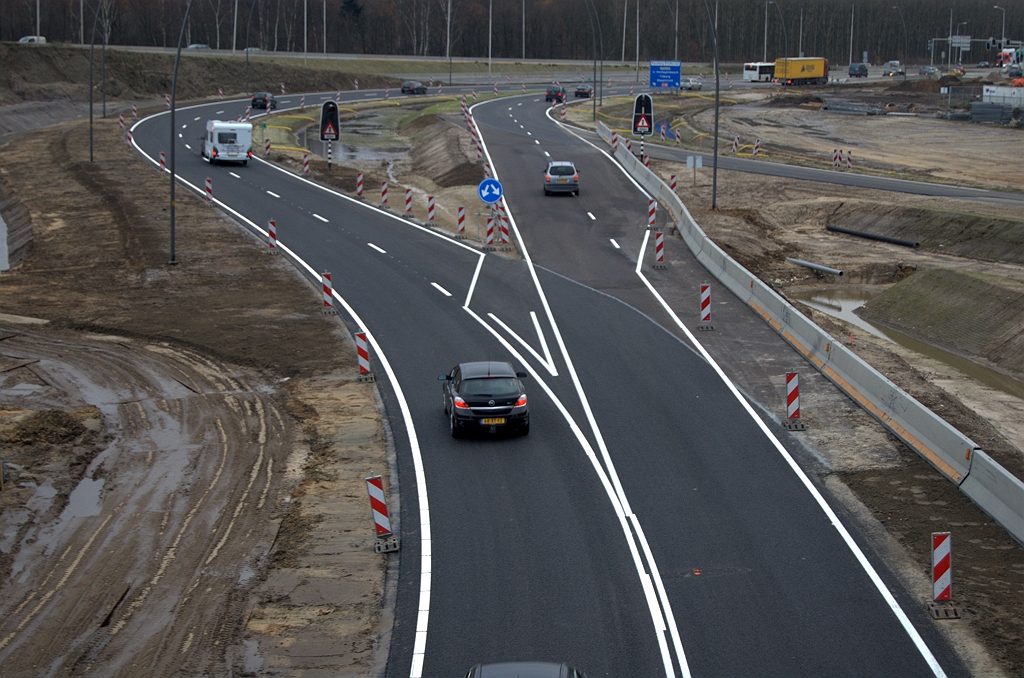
(954, 455)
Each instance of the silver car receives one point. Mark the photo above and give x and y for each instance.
(561, 177)
(692, 84)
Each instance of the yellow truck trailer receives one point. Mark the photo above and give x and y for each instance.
(802, 71)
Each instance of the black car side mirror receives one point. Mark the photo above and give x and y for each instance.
(444, 377)
(522, 375)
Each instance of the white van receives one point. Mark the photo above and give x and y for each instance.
(33, 40)
(227, 142)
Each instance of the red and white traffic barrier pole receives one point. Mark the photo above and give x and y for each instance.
(120, 121)
(282, 89)
(561, 114)
(629, 145)
(479, 151)
(359, 184)
(355, 82)
(487, 169)
(163, 162)
(705, 307)
(128, 139)
(503, 224)
(266, 150)
(652, 213)
(337, 97)
(495, 89)
(736, 145)
(363, 354)
(209, 190)
(673, 183)
(659, 249)
(615, 141)
(630, 90)
(248, 110)
(757, 147)
(524, 88)
(387, 92)
(305, 163)
(462, 222)
(942, 567)
(489, 242)
(220, 94)
(325, 281)
(408, 203)
(272, 236)
(836, 158)
(793, 422)
(439, 89)
(167, 101)
(302, 101)
(135, 111)
(384, 193)
(430, 208)
(386, 540)
(662, 134)
(849, 160)
(647, 161)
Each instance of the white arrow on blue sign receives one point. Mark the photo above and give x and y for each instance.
(490, 190)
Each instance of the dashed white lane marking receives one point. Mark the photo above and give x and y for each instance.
(529, 134)
(320, 217)
(234, 175)
(521, 103)
(179, 135)
(272, 194)
(614, 244)
(188, 147)
(442, 290)
(217, 113)
(185, 126)
(368, 95)
(592, 217)
(381, 250)
(547, 154)
(536, 141)
(196, 119)
(521, 127)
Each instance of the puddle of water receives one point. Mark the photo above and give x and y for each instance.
(842, 302)
(245, 575)
(253, 660)
(83, 502)
(41, 499)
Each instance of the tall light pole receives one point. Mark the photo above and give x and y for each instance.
(960, 54)
(325, 26)
(598, 43)
(305, 30)
(906, 38)
(638, 40)
(800, 44)
(625, 7)
(1003, 39)
(234, 30)
(38, 24)
(490, 34)
(765, 57)
(524, 30)
(247, 23)
(174, 89)
(676, 57)
(851, 32)
(785, 36)
(714, 162)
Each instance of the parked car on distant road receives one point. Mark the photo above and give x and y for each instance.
(198, 45)
(264, 100)
(413, 87)
(33, 40)
(858, 70)
(927, 70)
(555, 93)
(692, 84)
(584, 92)
(561, 177)
(252, 49)
(984, 64)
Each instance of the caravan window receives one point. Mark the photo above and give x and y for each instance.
(227, 137)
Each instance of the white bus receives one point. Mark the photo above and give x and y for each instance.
(759, 71)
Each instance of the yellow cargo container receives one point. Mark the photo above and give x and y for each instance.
(802, 71)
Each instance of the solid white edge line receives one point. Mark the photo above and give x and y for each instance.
(476, 276)
(320, 217)
(543, 342)
(441, 289)
(656, 613)
(379, 249)
(609, 466)
(547, 365)
(416, 669)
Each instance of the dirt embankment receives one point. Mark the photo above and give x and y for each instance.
(171, 447)
(50, 72)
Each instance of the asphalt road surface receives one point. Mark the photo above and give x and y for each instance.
(650, 524)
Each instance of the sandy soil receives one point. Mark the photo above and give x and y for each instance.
(157, 431)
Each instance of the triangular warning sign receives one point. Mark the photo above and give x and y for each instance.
(642, 123)
(329, 130)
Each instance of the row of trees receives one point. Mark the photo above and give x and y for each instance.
(547, 29)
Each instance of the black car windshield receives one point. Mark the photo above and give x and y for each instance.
(563, 170)
(490, 386)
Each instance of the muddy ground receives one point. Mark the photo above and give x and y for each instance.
(171, 434)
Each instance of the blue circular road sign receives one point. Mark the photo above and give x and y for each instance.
(490, 190)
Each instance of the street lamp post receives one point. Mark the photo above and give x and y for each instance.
(906, 39)
(714, 161)
(598, 41)
(1003, 38)
(174, 89)
(785, 36)
(247, 23)
(960, 54)
(765, 56)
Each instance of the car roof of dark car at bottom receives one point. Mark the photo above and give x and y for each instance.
(522, 670)
(486, 368)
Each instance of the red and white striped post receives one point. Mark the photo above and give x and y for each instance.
(479, 150)
(248, 110)
(439, 89)
(462, 222)
(302, 101)
(662, 134)
(209, 190)
(735, 145)
(673, 183)
(652, 213)
(474, 96)
(561, 113)
(337, 97)
(679, 141)
(836, 156)
(630, 90)
(120, 121)
(387, 92)
(167, 101)
(386, 541)
(282, 89)
(135, 111)
(272, 236)
(792, 395)
(524, 88)
(128, 139)
(487, 169)
(363, 354)
(220, 94)
(705, 307)
(615, 141)
(757, 147)
(408, 203)
(942, 566)
(430, 208)
(163, 162)
(325, 280)
(659, 249)
(430, 81)
(495, 89)
(849, 160)
(503, 224)
(384, 193)
(355, 82)
(266, 148)
(489, 241)
(647, 161)
(359, 184)
(305, 163)
(629, 145)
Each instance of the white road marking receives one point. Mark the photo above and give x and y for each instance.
(188, 147)
(521, 103)
(536, 141)
(286, 101)
(442, 290)
(382, 251)
(614, 244)
(217, 113)
(272, 194)
(185, 126)
(547, 154)
(234, 175)
(548, 364)
(179, 136)
(592, 217)
(320, 217)
(476, 275)
(368, 95)
(530, 134)
(195, 119)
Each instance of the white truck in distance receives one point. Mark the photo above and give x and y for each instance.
(227, 142)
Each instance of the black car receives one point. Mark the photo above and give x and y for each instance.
(555, 93)
(413, 87)
(524, 670)
(858, 70)
(485, 397)
(584, 92)
(264, 100)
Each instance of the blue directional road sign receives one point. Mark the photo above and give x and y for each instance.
(665, 74)
(490, 190)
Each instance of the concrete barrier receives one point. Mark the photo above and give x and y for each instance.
(953, 454)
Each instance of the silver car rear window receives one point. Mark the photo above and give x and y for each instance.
(563, 170)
